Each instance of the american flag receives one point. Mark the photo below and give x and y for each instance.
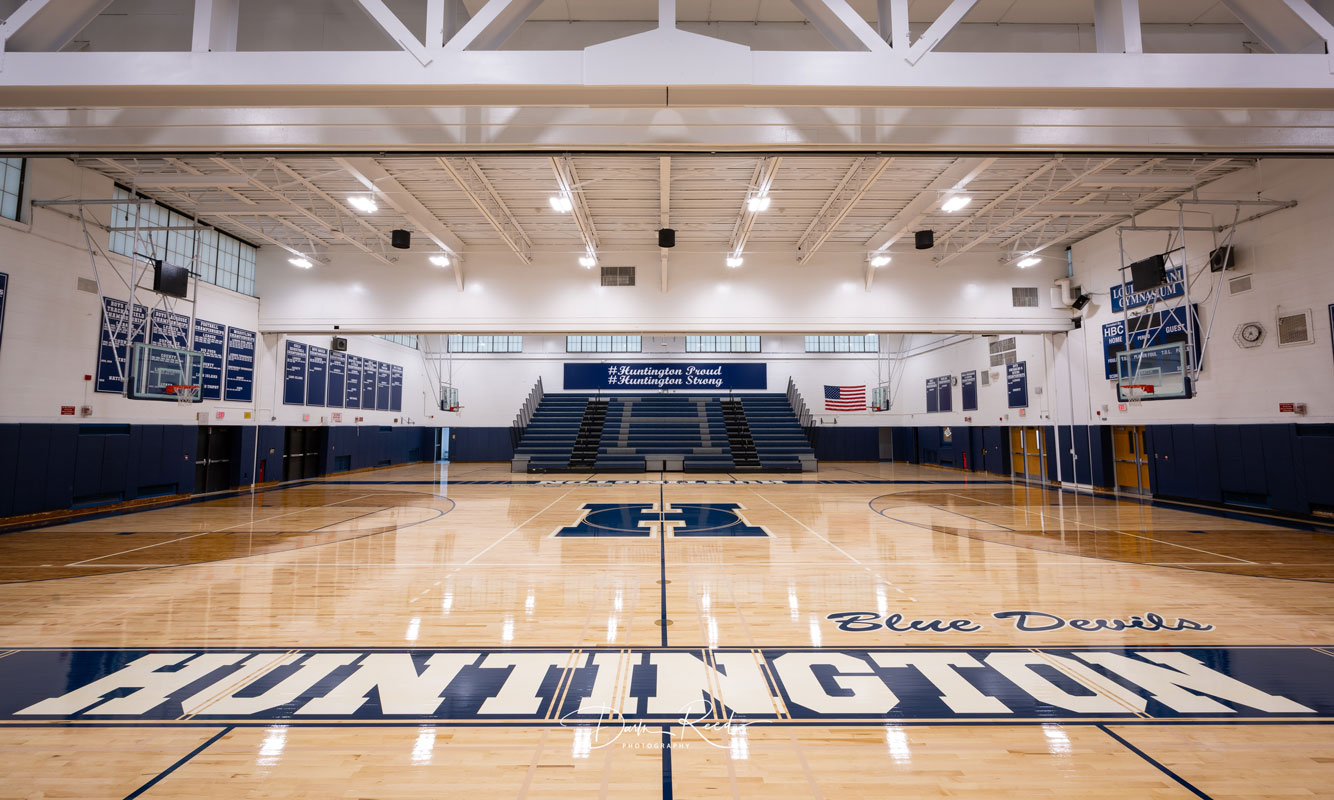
(845, 398)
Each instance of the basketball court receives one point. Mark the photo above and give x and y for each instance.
(813, 399)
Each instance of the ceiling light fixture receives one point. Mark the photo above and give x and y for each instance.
(735, 261)
(440, 261)
(879, 261)
(362, 203)
(560, 203)
(303, 263)
(759, 202)
(588, 261)
(955, 202)
(1031, 261)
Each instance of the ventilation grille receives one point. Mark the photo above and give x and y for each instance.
(1024, 296)
(984, 378)
(618, 276)
(87, 285)
(1003, 350)
(1239, 284)
(1294, 328)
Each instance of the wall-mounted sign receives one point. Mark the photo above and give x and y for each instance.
(1016, 384)
(651, 377)
(1174, 286)
(968, 388)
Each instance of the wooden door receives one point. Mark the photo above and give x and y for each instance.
(1129, 459)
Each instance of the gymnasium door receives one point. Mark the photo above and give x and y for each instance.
(301, 453)
(1028, 454)
(213, 459)
(1130, 459)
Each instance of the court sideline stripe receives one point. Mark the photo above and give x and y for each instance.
(1161, 767)
(662, 584)
(182, 762)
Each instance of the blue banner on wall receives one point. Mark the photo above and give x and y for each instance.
(4, 291)
(932, 396)
(210, 342)
(1148, 330)
(650, 377)
(168, 329)
(337, 379)
(968, 388)
(382, 387)
(294, 374)
(317, 375)
(370, 369)
(1174, 286)
(395, 388)
(1016, 384)
(239, 385)
(352, 390)
(943, 384)
(116, 329)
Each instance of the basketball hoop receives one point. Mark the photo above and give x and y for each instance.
(184, 393)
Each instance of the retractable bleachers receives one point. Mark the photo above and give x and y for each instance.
(548, 441)
(780, 443)
(667, 432)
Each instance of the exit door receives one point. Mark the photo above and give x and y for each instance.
(1028, 452)
(1130, 459)
(213, 458)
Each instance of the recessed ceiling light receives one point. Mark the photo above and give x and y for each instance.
(879, 261)
(300, 262)
(440, 261)
(955, 202)
(362, 203)
(560, 203)
(1031, 261)
(735, 261)
(759, 203)
(587, 262)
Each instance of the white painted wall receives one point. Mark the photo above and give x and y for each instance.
(51, 330)
(1288, 254)
(771, 293)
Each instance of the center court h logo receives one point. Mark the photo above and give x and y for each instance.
(645, 520)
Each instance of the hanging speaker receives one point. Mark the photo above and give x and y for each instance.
(400, 238)
(666, 237)
(1080, 302)
(925, 240)
(339, 344)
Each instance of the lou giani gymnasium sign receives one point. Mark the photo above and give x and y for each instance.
(666, 686)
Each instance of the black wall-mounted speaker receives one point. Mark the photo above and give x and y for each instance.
(400, 238)
(925, 240)
(1080, 302)
(666, 237)
(340, 344)
(1222, 258)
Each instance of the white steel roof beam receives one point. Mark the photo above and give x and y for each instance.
(377, 179)
(761, 182)
(1280, 26)
(215, 26)
(841, 25)
(1116, 26)
(567, 183)
(946, 22)
(857, 181)
(395, 29)
(1026, 210)
(43, 26)
(494, 24)
(467, 173)
(301, 208)
(955, 177)
(376, 233)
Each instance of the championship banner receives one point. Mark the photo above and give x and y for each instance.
(651, 377)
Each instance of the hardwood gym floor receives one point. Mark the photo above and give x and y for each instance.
(472, 571)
